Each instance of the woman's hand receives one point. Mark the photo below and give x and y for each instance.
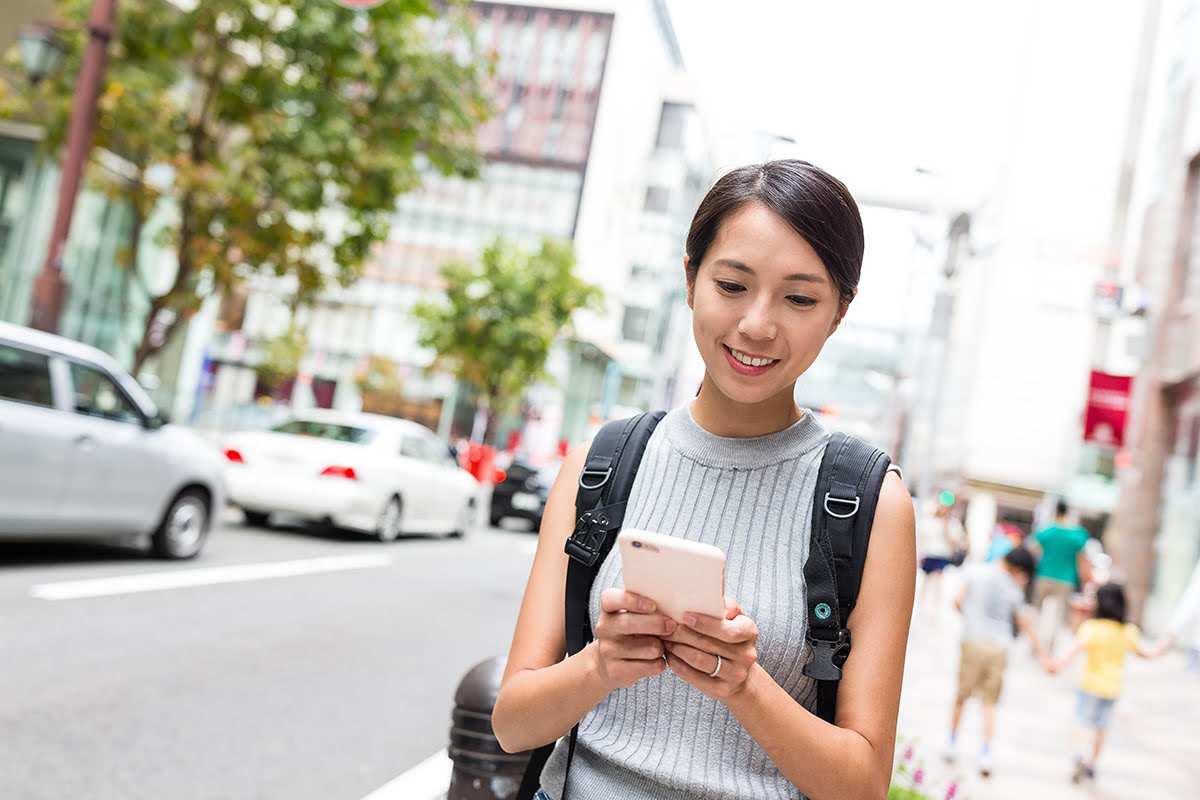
(714, 655)
(629, 638)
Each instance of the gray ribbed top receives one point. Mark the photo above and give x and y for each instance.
(662, 739)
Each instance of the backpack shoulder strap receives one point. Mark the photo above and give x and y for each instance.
(844, 501)
(604, 485)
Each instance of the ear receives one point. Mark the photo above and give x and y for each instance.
(842, 309)
(691, 284)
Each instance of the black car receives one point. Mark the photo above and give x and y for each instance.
(523, 492)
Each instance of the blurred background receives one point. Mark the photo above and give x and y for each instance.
(263, 212)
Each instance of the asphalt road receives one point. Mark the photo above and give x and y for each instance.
(322, 685)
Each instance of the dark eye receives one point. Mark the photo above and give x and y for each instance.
(732, 288)
(801, 301)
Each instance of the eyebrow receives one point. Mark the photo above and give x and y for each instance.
(809, 277)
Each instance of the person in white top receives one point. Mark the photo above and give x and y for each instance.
(942, 543)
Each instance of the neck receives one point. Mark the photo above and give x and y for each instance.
(721, 416)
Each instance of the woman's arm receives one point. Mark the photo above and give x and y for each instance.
(852, 759)
(542, 696)
(1065, 658)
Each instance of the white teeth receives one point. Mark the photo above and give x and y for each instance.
(748, 360)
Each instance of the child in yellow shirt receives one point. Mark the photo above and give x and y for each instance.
(1107, 639)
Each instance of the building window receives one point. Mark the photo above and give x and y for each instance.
(658, 198)
(635, 324)
(672, 126)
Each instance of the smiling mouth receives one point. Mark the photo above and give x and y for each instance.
(749, 360)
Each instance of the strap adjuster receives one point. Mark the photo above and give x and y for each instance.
(590, 486)
(584, 543)
(828, 657)
(853, 504)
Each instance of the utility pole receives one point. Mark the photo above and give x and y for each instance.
(50, 288)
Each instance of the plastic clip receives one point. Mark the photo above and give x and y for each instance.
(828, 657)
(584, 543)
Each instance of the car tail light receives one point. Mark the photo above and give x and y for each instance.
(340, 472)
(235, 456)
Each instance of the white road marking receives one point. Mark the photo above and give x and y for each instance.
(429, 780)
(206, 576)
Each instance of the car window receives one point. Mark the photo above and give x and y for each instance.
(334, 431)
(96, 394)
(25, 377)
(425, 447)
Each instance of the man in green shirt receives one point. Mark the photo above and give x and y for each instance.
(1062, 565)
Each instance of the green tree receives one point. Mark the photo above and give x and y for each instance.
(500, 316)
(277, 133)
(281, 358)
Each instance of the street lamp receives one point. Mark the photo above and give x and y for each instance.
(49, 289)
(41, 50)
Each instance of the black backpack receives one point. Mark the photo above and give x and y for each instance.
(847, 491)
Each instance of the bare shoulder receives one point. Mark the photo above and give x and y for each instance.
(895, 506)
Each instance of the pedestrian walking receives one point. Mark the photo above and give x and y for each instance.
(720, 707)
(1062, 567)
(992, 602)
(1184, 626)
(1107, 640)
(942, 543)
(1005, 536)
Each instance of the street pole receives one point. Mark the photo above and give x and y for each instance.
(50, 289)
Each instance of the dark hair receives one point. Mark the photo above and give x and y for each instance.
(815, 204)
(1110, 602)
(1021, 559)
(1060, 508)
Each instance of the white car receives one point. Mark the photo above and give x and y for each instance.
(84, 453)
(363, 472)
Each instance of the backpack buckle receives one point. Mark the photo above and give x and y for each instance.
(852, 503)
(828, 657)
(584, 542)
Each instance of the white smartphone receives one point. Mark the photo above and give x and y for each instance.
(677, 574)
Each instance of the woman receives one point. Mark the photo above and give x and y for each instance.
(720, 707)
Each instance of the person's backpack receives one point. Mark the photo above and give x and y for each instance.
(847, 491)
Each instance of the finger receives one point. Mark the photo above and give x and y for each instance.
(631, 670)
(739, 629)
(694, 657)
(633, 647)
(732, 609)
(613, 600)
(625, 624)
(686, 671)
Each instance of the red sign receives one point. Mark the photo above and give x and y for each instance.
(1107, 409)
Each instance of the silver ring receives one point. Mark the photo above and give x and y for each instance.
(713, 674)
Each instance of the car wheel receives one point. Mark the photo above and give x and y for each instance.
(387, 528)
(184, 528)
(466, 518)
(257, 519)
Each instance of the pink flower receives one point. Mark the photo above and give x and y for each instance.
(908, 753)
(918, 776)
(951, 791)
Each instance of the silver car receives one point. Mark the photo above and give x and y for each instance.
(85, 453)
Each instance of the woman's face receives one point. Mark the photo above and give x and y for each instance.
(763, 305)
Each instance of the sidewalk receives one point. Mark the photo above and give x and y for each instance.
(1153, 744)
(1152, 751)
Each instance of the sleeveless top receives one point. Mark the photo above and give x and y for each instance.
(662, 739)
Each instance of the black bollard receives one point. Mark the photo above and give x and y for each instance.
(482, 771)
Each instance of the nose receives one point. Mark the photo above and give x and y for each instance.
(758, 320)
